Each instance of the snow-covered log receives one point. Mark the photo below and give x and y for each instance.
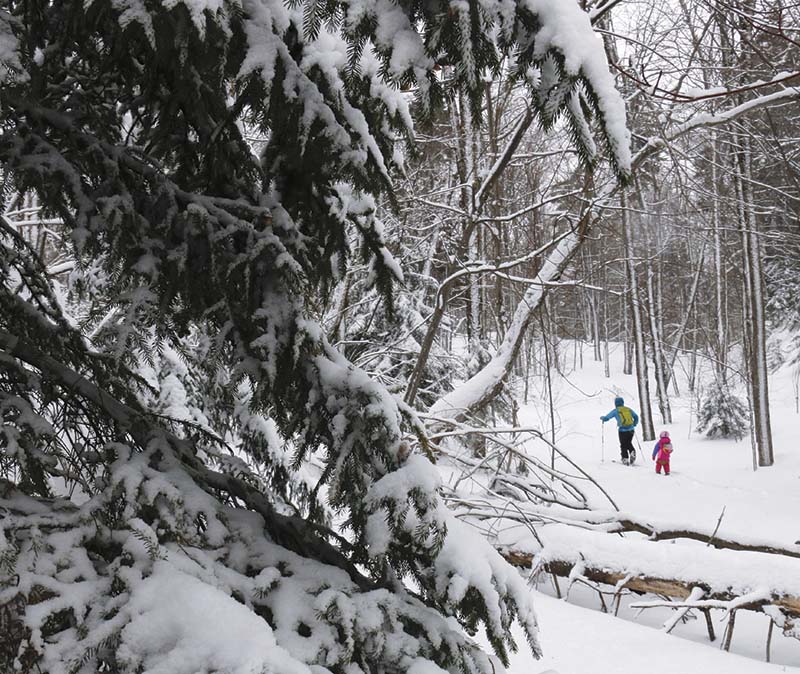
(616, 522)
(729, 579)
(488, 507)
(623, 522)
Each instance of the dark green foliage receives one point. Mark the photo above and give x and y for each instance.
(206, 168)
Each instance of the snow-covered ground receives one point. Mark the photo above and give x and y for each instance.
(707, 478)
(579, 641)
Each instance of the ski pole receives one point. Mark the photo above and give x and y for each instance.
(639, 445)
(602, 442)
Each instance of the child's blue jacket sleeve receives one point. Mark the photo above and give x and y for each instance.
(635, 417)
(655, 451)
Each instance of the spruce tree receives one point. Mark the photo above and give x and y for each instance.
(205, 160)
(722, 414)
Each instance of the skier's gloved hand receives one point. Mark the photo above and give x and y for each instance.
(603, 419)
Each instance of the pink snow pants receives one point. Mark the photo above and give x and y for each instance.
(662, 462)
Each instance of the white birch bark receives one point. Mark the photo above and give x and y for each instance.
(721, 354)
(642, 381)
(757, 319)
(662, 393)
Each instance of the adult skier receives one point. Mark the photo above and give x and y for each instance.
(627, 420)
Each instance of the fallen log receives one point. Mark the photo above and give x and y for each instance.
(729, 579)
(625, 524)
(620, 523)
(661, 586)
(783, 610)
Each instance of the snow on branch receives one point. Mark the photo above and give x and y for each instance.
(121, 596)
(504, 158)
(527, 209)
(617, 522)
(294, 589)
(756, 598)
(539, 484)
(10, 63)
(481, 387)
(705, 120)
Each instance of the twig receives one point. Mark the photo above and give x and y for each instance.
(709, 625)
(716, 528)
(769, 636)
(729, 630)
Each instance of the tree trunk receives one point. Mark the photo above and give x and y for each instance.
(755, 323)
(627, 367)
(606, 355)
(643, 383)
(662, 393)
(595, 326)
(721, 350)
(675, 347)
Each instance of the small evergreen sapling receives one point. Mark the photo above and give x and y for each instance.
(722, 414)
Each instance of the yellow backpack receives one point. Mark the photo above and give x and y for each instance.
(625, 416)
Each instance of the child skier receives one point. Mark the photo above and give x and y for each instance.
(627, 420)
(662, 452)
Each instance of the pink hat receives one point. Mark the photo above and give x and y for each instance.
(664, 434)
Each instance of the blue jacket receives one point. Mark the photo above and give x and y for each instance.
(613, 414)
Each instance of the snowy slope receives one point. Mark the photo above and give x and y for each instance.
(708, 477)
(578, 641)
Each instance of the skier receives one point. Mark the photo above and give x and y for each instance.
(627, 420)
(662, 452)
